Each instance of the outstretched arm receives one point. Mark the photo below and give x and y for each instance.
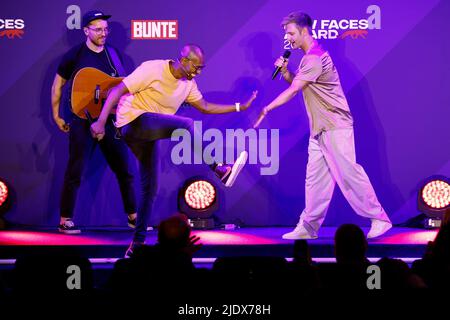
(214, 108)
(283, 98)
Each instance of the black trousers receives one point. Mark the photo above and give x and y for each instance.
(115, 151)
(142, 136)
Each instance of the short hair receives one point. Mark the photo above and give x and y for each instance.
(174, 232)
(191, 49)
(299, 18)
(350, 243)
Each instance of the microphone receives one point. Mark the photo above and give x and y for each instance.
(286, 55)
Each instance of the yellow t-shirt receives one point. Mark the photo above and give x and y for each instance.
(153, 88)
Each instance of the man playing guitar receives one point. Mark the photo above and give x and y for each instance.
(95, 54)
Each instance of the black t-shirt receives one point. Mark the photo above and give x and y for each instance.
(81, 56)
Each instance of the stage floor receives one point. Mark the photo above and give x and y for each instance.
(108, 243)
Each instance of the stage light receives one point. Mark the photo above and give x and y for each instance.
(200, 195)
(434, 200)
(5, 201)
(4, 193)
(197, 199)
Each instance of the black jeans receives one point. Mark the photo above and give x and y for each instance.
(142, 135)
(115, 151)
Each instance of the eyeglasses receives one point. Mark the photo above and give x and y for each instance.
(100, 30)
(197, 68)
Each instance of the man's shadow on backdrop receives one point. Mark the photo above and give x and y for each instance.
(261, 51)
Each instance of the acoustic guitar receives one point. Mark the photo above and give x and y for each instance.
(89, 92)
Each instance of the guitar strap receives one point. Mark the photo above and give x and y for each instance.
(116, 61)
(121, 73)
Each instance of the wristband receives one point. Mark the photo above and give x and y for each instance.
(238, 106)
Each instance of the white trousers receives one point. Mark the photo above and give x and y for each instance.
(331, 160)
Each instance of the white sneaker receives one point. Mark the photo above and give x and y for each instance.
(236, 169)
(378, 228)
(298, 233)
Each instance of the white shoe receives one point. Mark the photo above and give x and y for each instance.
(298, 233)
(378, 228)
(236, 169)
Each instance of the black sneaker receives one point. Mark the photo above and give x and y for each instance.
(132, 224)
(68, 227)
(133, 246)
(228, 173)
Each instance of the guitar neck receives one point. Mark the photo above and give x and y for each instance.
(88, 116)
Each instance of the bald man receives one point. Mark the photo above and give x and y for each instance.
(147, 102)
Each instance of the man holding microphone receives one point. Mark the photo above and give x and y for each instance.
(331, 147)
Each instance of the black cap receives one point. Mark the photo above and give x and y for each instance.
(94, 15)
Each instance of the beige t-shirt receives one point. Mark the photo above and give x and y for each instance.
(153, 88)
(324, 98)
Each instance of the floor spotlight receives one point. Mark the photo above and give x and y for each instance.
(434, 200)
(197, 199)
(5, 201)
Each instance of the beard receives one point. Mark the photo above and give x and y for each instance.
(99, 41)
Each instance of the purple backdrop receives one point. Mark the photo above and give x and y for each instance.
(396, 80)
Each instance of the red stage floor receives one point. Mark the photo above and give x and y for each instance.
(112, 243)
(244, 236)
